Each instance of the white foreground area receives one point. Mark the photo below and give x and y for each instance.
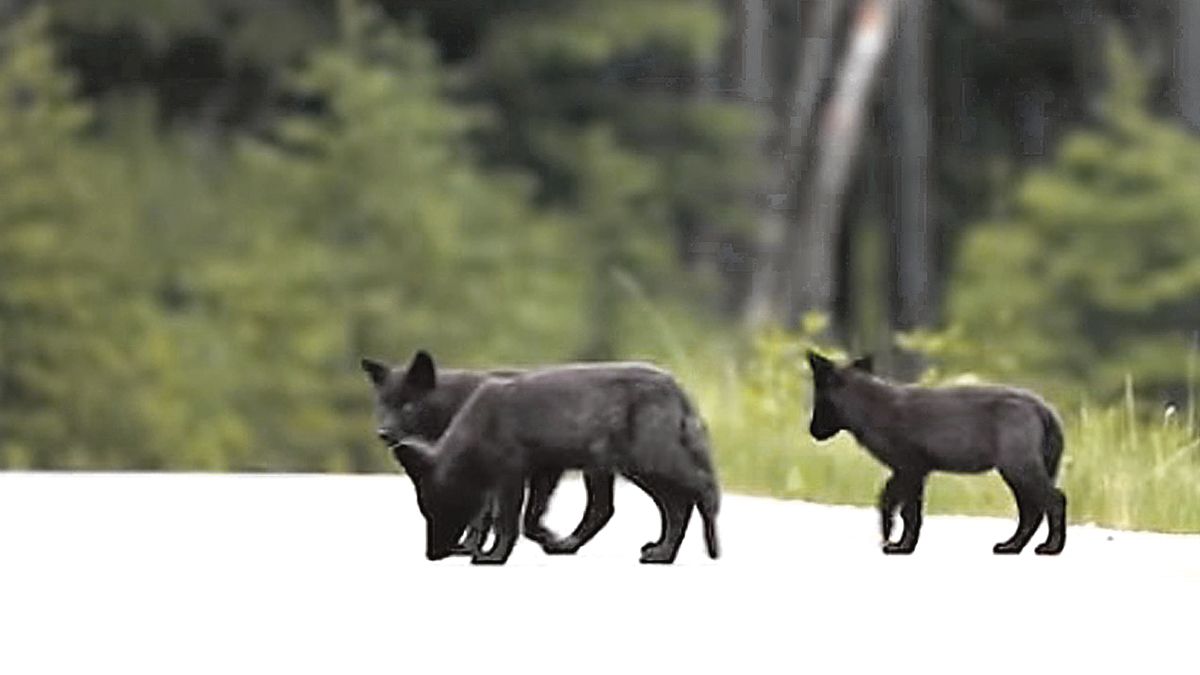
(187, 573)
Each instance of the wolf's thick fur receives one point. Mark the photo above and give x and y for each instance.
(965, 429)
(420, 401)
(623, 417)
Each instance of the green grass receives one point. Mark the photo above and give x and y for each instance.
(1119, 469)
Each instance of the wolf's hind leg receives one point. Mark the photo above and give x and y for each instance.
(597, 514)
(508, 521)
(911, 490)
(658, 503)
(1056, 517)
(674, 509)
(678, 510)
(541, 487)
(678, 515)
(1029, 489)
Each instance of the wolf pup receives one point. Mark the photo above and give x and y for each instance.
(964, 429)
(629, 418)
(421, 400)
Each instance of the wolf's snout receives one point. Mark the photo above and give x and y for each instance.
(386, 436)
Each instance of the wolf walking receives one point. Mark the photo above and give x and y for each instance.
(964, 429)
(628, 418)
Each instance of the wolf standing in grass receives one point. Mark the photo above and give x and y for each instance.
(965, 429)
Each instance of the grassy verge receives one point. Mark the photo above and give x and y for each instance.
(1120, 470)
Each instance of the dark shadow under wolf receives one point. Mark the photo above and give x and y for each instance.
(620, 417)
(963, 429)
(420, 401)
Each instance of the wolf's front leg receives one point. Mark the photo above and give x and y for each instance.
(541, 487)
(477, 531)
(911, 490)
(510, 496)
(597, 514)
(889, 501)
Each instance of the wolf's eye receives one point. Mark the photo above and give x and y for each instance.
(408, 413)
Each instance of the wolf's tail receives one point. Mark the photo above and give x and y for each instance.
(694, 438)
(1052, 440)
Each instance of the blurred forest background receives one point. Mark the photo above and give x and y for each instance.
(210, 210)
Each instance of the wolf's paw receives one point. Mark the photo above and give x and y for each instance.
(649, 546)
(540, 535)
(656, 554)
(487, 559)
(1005, 548)
(462, 549)
(564, 546)
(897, 549)
(1049, 548)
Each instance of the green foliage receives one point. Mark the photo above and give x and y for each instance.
(605, 100)
(171, 300)
(1094, 275)
(614, 189)
(587, 34)
(80, 356)
(406, 243)
(263, 33)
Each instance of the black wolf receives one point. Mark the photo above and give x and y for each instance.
(628, 418)
(421, 400)
(965, 429)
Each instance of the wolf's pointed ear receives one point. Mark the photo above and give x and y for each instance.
(865, 363)
(422, 374)
(375, 370)
(825, 372)
(416, 456)
(818, 363)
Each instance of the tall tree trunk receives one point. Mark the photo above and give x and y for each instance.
(810, 282)
(1087, 26)
(913, 229)
(757, 88)
(813, 56)
(704, 249)
(754, 81)
(1187, 62)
